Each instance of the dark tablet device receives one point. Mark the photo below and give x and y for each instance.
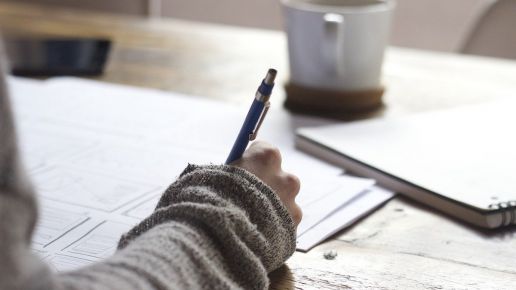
(57, 57)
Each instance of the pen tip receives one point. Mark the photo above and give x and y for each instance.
(271, 75)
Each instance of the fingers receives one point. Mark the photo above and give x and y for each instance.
(265, 154)
(292, 183)
(287, 185)
(264, 160)
(296, 213)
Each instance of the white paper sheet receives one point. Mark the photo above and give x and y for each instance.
(100, 242)
(331, 193)
(344, 216)
(100, 156)
(88, 189)
(54, 223)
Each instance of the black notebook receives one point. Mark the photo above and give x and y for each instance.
(460, 161)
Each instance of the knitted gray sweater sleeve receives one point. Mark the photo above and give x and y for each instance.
(216, 227)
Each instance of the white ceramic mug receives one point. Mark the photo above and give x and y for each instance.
(337, 45)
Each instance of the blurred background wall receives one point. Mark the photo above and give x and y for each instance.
(442, 25)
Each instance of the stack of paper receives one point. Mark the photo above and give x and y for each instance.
(101, 155)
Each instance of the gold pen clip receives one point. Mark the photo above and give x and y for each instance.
(253, 134)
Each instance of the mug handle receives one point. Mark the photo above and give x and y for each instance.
(333, 46)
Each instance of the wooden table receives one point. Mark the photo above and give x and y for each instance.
(403, 245)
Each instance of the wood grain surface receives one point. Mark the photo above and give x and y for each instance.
(403, 245)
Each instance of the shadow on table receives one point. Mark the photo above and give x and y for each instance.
(499, 233)
(281, 279)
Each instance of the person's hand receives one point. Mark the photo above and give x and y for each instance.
(264, 161)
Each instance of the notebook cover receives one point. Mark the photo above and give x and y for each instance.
(467, 154)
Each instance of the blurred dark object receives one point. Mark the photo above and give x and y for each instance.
(57, 56)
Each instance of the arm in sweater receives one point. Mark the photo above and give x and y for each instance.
(215, 227)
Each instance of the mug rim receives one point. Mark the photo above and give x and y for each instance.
(387, 5)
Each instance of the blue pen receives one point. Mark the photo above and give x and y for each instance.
(254, 118)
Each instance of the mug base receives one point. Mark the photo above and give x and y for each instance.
(332, 103)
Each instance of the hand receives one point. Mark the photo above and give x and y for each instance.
(264, 161)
